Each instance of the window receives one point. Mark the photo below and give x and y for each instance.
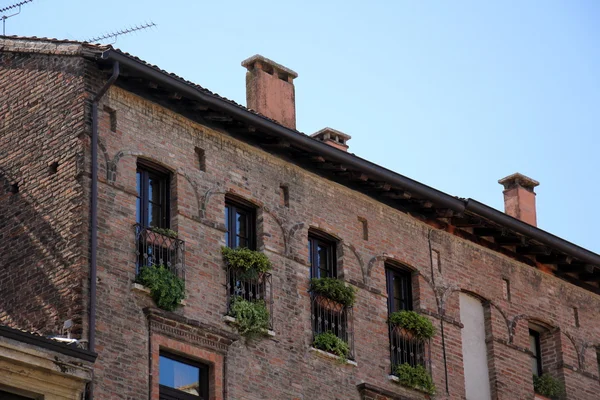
(328, 315)
(321, 256)
(536, 357)
(152, 208)
(240, 222)
(404, 348)
(181, 379)
(399, 288)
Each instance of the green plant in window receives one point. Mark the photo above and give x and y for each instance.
(329, 342)
(167, 289)
(251, 263)
(420, 326)
(334, 289)
(165, 232)
(251, 317)
(548, 386)
(415, 377)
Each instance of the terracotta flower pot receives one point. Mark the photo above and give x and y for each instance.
(328, 304)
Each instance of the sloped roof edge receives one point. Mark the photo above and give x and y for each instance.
(303, 141)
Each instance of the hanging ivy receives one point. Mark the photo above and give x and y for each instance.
(416, 377)
(251, 317)
(329, 342)
(166, 289)
(548, 386)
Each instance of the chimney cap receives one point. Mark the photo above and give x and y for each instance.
(262, 61)
(332, 132)
(518, 179)
(333, 138)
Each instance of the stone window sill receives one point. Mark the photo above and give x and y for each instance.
(230, 320)
(137, 287)
(332, 356)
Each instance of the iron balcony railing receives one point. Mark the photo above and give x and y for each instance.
(250, 286)
(154, 248)
(330, 316)
(406, 348)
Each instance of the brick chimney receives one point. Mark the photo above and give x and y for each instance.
(519, 197)
(270, 90)
(333, 138)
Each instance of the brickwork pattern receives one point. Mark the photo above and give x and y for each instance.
(42, 213)
(283, 367)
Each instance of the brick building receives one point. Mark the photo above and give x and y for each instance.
(79, 221)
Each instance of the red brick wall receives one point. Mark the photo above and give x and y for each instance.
(283, 367)
(42, 227)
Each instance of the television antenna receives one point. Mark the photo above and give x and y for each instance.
(8, 8)
(118, 33)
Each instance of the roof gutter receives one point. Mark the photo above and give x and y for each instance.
(302, 141)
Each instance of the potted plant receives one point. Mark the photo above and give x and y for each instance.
(329, 342)
(165, 232)
(251, 317)
(166, 289)
(249, 263)
(332, 293)
(415, 377)
(547, 387)
(412, 324)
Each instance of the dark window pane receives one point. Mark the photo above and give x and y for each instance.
(138, 210)
(152, 204)
(598, 359)
(227, 210)
(321, 258)
(399, 290)
(239, 223)
(179, 376)
(534, 347)
(241, 229)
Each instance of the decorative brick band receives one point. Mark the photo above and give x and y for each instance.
(190, 331)
(372, 392)
(435, 315)
(512, 346)
(579, 371)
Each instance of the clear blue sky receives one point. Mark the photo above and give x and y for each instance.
(455, 94)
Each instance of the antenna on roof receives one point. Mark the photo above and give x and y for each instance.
(116, 34)
(12, 7)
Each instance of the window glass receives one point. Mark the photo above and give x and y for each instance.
(534, 347)
(180, 379)
(321, 257)
(239, 223)
(241, 229)
(180, 376)
(399, 285)
(152, 208)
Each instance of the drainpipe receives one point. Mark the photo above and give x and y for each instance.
(94, 214)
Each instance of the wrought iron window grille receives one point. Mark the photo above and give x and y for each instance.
(406, 348)
(330, 316)
(250, 286)
(154, 249)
